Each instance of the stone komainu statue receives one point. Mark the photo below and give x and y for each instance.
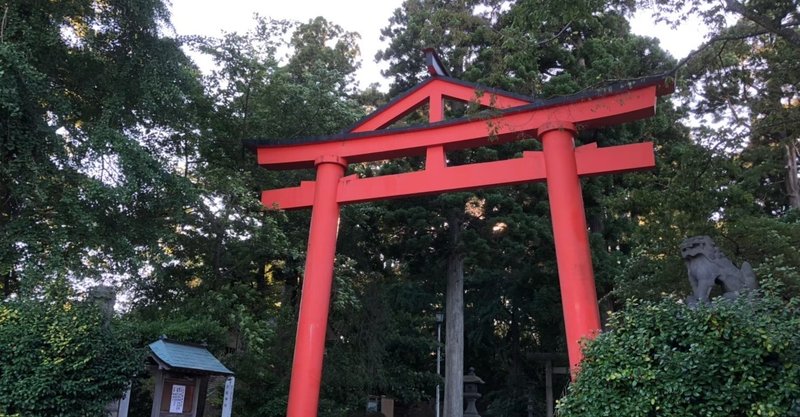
(707, 265)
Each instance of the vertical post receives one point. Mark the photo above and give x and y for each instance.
(435, 157)
(439, 319)
(548, 383)
(311, 325)
(125, 403)
(158, 394)
(435, 107)
(227, 397)
(198, 382)
(454, 324)
(576, 277)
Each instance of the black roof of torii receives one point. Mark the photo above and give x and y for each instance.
(663, 82)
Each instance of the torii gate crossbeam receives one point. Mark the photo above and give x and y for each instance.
(560, 164)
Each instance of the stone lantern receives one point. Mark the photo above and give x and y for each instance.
(471, 394)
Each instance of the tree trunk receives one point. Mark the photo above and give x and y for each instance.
(792, 179)
(516, 381)
(8, 284)
(454, 347)
(454, 323)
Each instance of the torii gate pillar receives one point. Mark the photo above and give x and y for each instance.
(576, 277)
(313, 320)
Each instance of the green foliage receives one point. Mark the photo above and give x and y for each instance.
(736, 358)
(457, 29)
(60, 358)
(92, 106)
(230, 275)
(742, 82)
(545, 50)
(117, 157)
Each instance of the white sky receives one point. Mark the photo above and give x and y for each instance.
(367, 17)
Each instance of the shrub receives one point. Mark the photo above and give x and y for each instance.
(58, 358)
(726, 359)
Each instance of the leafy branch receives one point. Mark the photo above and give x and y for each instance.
(711, 42)
(784, 32)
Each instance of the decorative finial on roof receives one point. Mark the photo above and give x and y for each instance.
(434, 63)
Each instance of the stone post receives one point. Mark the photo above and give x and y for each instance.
(105, 297)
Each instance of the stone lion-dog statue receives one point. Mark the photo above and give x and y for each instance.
(707, 266)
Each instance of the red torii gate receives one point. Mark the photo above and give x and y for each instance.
(553, 122)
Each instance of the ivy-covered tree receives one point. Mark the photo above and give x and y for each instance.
(62, 356)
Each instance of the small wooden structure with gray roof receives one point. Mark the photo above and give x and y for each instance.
(182, 372)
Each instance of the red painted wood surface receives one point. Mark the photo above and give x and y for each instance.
(560, 164)
(575, 273)
(505, 126)
(531, 167)
(313, 319)
(431, 88)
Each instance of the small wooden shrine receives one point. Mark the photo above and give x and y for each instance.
(182, 372)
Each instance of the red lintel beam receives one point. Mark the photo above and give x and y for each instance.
(435, 86)
(509, 125)
(590, 161)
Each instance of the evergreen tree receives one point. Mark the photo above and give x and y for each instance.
(510, 275)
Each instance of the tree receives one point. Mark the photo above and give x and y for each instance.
(735, 358)
(454, 28)
(231, 272)
(736, 177)
(61, 357)
(781, 18)
(742, 81)
(92, 109)
(545, 50)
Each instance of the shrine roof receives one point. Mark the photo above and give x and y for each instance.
(187, 357)
(663, 82)
(475, 86)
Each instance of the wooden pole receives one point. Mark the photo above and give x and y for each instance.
(454, 345)
(575, 274)
(548, 382)
(309, 345)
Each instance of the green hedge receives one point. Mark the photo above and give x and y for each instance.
(58, 358)
(727, 359)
